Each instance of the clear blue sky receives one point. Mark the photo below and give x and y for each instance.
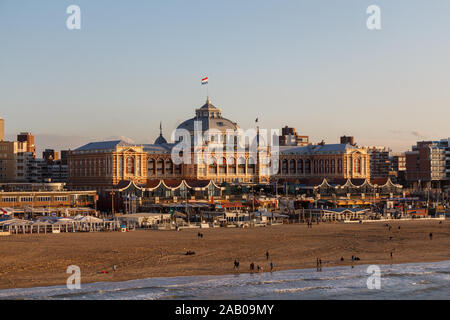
(312, 65)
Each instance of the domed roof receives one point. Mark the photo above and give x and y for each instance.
(160, 139)
(210, 118)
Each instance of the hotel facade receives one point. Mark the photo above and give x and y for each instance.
(103, 165)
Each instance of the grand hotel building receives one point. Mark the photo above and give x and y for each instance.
(102, 165)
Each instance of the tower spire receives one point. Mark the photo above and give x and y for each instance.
(160, 128)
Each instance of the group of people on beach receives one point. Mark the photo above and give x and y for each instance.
(258, 267)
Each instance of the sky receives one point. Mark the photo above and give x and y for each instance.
(312, 65)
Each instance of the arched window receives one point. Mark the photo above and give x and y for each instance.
(160, 167)
(300, 166)
(292, 168)
(241, 165)
(358, 165)
(284, 166)
(232, 165)
(316, 166)
(308, 166)
(223, 166)
(251, 168)
(339, 165)
(151, 167)
(212, 168)
(327, 166)
(169, 167)
(333, 166)
(130, 165)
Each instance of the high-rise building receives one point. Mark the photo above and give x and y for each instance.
(29, 139)
(398, 162)
(14, 160)
(428, 164)
(2, 129)
(380, 164)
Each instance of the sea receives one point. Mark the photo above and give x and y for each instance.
(398, 281)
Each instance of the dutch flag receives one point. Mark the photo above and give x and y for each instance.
(205, 81)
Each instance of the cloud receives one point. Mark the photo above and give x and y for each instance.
(419, 134)
(126, 139)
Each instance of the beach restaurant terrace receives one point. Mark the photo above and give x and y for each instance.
(341, 187)
(58, 225)
(338, 214)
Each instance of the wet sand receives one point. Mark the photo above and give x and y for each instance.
(42, 260)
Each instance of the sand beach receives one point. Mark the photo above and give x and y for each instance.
(42, 260)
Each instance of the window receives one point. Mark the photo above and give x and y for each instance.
(26, 199)
(44, 199)
(130, 165)
(300, 166)
(9, 199)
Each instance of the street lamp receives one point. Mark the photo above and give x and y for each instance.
(112, 193)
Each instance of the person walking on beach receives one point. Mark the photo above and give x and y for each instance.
(236, 264)
(431, 236)
(258, 268)
(271, 266)
(267, 255)
(252, 267)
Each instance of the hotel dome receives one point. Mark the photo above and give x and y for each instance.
(211, 118)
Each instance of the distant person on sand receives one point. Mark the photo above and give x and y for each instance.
(342, 258)
(431, 236)
(252, 266)
(236, 264)
(267, 255)
(271, 266)
(258, 268)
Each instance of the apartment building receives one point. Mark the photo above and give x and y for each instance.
(428, 164)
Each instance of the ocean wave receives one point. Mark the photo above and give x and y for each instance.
(293, 290)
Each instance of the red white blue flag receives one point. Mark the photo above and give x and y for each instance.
(205, 81)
